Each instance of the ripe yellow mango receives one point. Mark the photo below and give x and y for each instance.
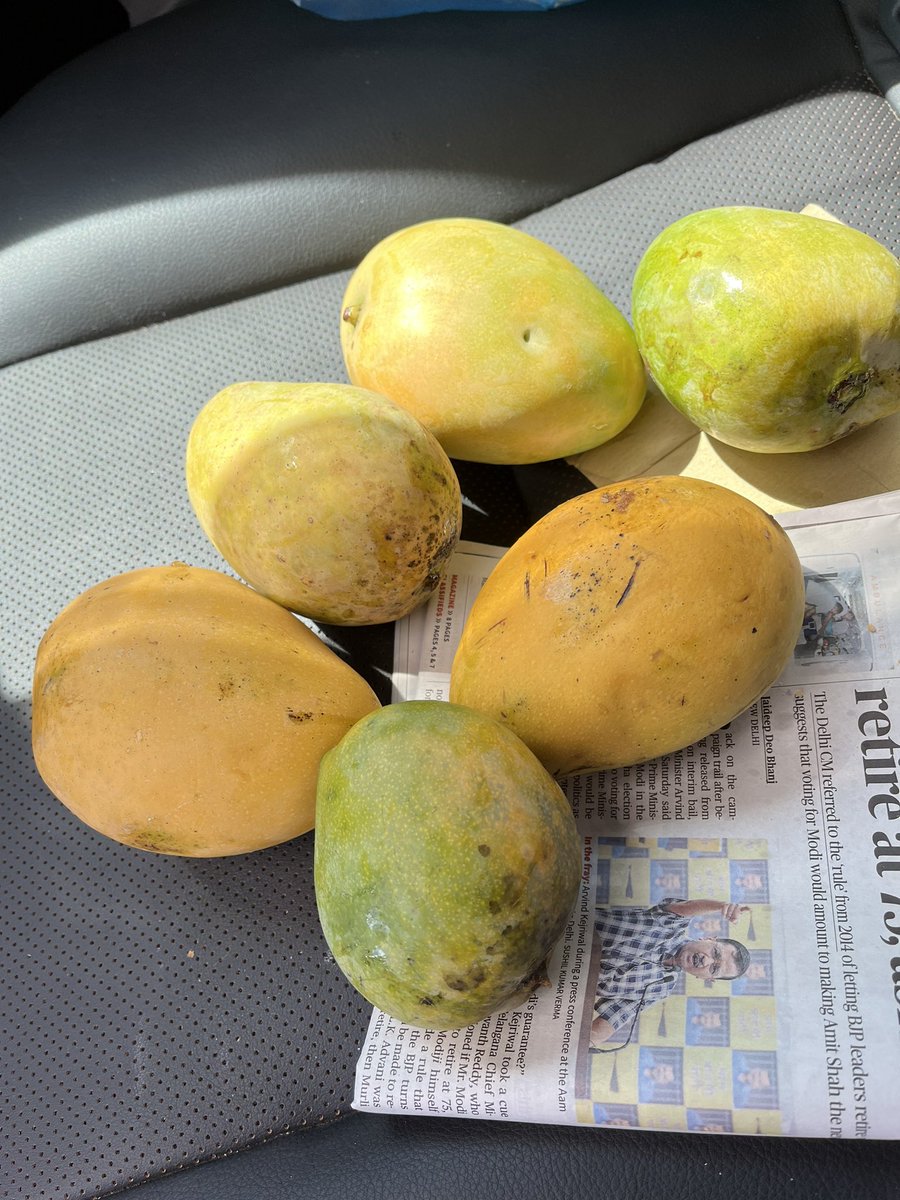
(498, 343)
(177, 710)
(631, 621)
(328, 498)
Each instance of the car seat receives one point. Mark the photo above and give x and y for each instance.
(180, 208)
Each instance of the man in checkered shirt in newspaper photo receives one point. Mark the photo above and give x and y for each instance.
(643, 949)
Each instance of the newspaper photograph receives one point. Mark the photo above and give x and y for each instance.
(732, 963)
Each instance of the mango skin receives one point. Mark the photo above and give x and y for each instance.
(177, 711)
(329, 499)
(630, 622)
(499, 344)
(772, 331)
(447, 863)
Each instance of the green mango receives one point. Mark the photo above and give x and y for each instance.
(771, 331)
(447, 863)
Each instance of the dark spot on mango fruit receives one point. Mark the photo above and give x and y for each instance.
(466, 983)
(511, 886)
(850, 389)
(628, 585)
(620, 500)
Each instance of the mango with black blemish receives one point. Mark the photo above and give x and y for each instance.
(772, 331)
(447, 863)
(632, 621)
(330, 499)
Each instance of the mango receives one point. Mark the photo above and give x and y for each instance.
(176, 710)
(329, 499)
(630, 622)
(447, 863)
(499, 344)
(772, 331)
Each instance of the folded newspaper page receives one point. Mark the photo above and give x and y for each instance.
(770, 848)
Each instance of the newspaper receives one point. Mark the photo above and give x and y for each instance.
(780, 831)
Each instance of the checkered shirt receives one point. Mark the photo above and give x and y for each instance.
(634, 942)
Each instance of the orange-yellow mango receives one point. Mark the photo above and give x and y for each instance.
(178, 711)
(632, 621)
